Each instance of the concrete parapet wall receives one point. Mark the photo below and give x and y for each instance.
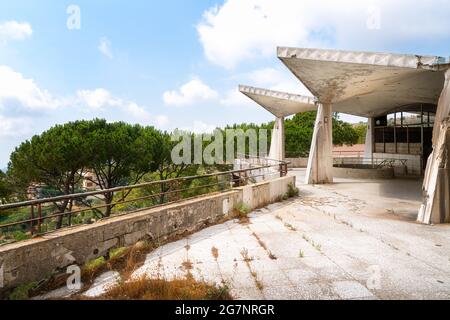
(352, 173)
(297, 162)
(35, 259)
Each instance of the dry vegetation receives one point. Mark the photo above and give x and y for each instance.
(160, 289)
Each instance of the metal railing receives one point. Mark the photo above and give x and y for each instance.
(150, 194)
(374, 163)
(348, 154)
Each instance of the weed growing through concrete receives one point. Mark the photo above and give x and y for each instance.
(301, 254)
(292, 191)
(245, 255)
(187, 265)
(258, 282)
(247, 260)
(263, 245)
(317, 246)
(241, 212)
(215, 253)
(290, 226)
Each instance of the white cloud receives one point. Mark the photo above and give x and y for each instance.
(13, 30)
(105, 47)
(14, 87)
(200, 127)
(138, 112)
(240, 31)
(98, 98)
(190, 93)
(162, 121)
(101, 100)
(14, 127)
(234, 98)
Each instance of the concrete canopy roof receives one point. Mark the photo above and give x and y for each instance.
(366, 84)
(278, 103)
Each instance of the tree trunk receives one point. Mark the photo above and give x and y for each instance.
(109, 196)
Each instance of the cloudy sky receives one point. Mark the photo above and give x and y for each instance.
(177, 63)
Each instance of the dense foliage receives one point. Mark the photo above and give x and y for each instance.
(5, 187)
(299, 130)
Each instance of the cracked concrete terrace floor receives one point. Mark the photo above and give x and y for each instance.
(355, 239)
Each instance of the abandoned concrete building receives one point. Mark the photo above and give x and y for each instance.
(406, 99)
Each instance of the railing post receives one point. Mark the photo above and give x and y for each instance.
(40, 218)
(32, 217)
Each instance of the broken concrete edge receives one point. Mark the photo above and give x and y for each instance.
(36, 259)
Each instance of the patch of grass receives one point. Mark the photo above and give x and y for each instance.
(292, 191)
(22, 292)
(241, 212)
(317, 246)
(117, 252)
(95, 264)
(301, 254)
(160, 289)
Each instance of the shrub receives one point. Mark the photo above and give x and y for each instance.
(292, 191)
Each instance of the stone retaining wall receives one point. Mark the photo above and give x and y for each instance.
(38, 258)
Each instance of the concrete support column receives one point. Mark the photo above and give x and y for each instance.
(320, 162)
(436, 185)
(369, 147)
(277, 145)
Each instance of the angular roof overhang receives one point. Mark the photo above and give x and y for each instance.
(367, 84)
(280, 104)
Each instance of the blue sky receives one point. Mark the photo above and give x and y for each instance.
(178, 63)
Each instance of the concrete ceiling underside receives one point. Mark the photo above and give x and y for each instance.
(278, 103)
(367, 84)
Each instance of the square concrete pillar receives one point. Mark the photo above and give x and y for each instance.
(320, 162)
(277, 145)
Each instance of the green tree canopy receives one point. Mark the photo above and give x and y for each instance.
(120, 154)
(55, 158)
(5, 187)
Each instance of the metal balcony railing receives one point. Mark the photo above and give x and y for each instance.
(37, 217)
